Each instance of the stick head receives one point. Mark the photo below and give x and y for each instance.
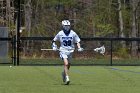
(102, 50)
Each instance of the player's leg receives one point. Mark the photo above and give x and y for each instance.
(65, 57)
(63, 76)
(68, 64)
(69, 60)
(64, 72)
(66, 68)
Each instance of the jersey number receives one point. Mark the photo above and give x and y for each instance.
(67, 43)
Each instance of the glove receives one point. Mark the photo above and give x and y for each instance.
(80, 49)
(54, 47)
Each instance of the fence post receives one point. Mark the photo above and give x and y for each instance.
(12, 44)
(14, 50)
(111, 52)
(18, 31)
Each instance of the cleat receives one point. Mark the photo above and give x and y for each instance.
(67, 83)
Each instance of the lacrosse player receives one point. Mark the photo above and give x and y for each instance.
(67, 38)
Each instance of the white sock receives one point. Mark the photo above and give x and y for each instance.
(67, 78)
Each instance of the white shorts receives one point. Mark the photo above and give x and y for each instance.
(67, 55)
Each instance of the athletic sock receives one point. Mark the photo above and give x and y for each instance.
(67, 78)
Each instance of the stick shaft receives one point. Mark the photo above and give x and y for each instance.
(52, 49)
(62, 49)
(47, 49)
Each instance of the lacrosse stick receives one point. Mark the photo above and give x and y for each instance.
(47, 49)
(101, 50)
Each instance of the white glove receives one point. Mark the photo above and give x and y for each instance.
(54, 47)
(80, 49)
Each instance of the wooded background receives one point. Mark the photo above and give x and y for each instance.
(89, 18)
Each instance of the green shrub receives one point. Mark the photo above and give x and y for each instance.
(122, 53)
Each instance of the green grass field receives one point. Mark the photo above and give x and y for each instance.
(84, 79)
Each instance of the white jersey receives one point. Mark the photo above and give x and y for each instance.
(67, 42)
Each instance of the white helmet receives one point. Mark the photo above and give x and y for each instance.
(66, 26)
(65, 22)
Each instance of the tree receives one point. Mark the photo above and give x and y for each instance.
(28, 11)
(134, 28)
(28, 16)
(121, 24)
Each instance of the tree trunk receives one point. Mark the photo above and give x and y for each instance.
(121, 25)
(28, 16)
(8, 13)
(134, 29)
(28, 12)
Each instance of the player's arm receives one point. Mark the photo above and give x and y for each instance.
(77, 41)
(54, 46)
(79, 47)
(53, 43)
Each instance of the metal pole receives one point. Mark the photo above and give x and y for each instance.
(14, 51)
(18, 31)
(111, 53)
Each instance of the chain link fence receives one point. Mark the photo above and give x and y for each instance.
(114, 55)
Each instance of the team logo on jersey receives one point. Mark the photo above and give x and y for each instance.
(67, 38)
(67, 41)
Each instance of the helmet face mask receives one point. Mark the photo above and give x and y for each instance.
(66, 26)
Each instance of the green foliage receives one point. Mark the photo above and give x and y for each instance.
(88, 15)
(104, 29)
(122, 53)
(55, 2)
(127, 21)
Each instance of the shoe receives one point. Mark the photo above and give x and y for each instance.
(67, 83)
(63, 77)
